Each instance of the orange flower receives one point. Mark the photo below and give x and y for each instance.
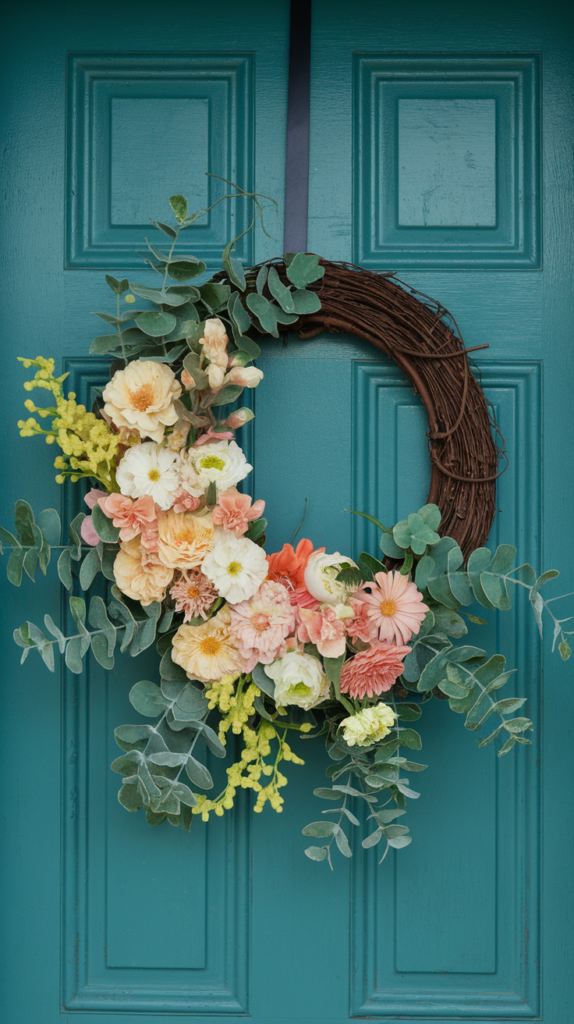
(288, 566)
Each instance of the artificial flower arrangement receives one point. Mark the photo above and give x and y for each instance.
(259, 646)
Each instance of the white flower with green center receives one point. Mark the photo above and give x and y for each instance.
(321, 581)
(222, 463)
(299, 679)
(149, 469)
(368, 726)
(236, 567)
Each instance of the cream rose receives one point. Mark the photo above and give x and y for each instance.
(299, 679)
(321, 581)
(140, 574)
(184, 539)
(141, 398)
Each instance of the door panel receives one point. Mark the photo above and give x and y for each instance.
(107, 111)
(427, 157)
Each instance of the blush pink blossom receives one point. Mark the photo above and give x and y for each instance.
(214, 435)
(234, 511)
(373, 671)
(93, 496)
(88, 533)
(394, 607)
(184, 502)
(359, 626)
(261, 625)
(323, 629)
(131, 516)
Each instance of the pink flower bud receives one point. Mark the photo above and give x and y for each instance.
(238, 418)
(187, 380)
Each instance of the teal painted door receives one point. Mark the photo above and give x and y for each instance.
(441, 146)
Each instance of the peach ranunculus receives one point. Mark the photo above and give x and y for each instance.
(141, 397)
(394, 607)
(372, 671)
(234, 511)
(184, 539)
(207, 652)
(131, 516)
(214, 343)
(139, 574)
(324, 629)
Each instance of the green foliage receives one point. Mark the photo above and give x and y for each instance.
(155, 757)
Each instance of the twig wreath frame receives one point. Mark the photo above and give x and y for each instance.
(422, 338)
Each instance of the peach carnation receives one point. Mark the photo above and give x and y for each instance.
(324, 629)
(129, 515)
(234, 511)
(184, 539)
(394, 607)
(262, 624)
(372, 671)
(139, 574)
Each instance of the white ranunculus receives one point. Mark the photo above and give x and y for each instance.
(149, 469)
(299, 679)
(222, 462)
(368, 726)
(236, 566)
(321, 574)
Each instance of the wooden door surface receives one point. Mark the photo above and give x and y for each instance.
(441, 147)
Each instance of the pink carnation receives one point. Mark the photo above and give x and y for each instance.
(261, 625)
(131, 516)
(394, 607)
(234, 511)
(359, 626)
(372, 671)
(323, 629)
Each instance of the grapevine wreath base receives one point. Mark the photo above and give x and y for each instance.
(257, 649)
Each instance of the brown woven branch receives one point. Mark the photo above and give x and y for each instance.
(421, 337)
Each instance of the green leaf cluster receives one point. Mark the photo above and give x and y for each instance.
(155, 756)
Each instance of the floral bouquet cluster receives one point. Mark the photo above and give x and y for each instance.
(260, 646)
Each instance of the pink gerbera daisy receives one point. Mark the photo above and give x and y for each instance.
(193, 594)
(372, 671)
(394, 608)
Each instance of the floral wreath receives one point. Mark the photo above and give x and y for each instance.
(293, 644)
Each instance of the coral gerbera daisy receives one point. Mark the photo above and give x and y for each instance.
(394, 607)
